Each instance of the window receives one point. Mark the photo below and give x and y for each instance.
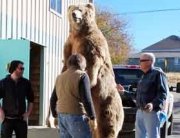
(127, 76)
(177, 61)
(160, 60)
(56, 6)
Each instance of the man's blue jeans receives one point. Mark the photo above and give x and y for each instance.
(73, 126)
(147, 124)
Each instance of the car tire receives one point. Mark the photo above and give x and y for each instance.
(129, 134)
(128, 129)
(129, 118)
(178, 87)
(163, 130)
(170, 121)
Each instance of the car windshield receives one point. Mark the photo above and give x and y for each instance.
(127, 76)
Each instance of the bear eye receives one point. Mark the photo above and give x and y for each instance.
(85, 13)
(79, 9)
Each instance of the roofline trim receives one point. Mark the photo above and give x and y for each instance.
(174, 50)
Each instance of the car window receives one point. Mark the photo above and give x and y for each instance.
(127, 76)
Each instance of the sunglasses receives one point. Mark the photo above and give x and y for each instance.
(21, 68)
(144, 60)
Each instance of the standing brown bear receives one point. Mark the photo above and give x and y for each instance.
(87, 39)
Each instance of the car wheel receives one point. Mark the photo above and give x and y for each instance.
(129, 118)
(170, 126)
(128, 129)
(163, 130)
(130, 134)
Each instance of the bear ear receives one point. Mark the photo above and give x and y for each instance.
(90, 6)
(70, 7)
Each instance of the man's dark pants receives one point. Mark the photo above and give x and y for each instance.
(18, 125)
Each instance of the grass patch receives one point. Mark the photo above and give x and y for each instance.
(173, 78)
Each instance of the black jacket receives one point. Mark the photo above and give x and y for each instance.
(153, 87)
(14, 96)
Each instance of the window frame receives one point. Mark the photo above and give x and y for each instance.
(176, 60)
(160, 60)
(54, 10)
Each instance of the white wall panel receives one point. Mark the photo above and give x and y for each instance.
(33, 20)
(44, 23)
(46, 63)
(54, 49)
(19, 18)
(9, 18)
(41, 21)
(37, 20)
(29, 19)
(50, 51)
(24, 18)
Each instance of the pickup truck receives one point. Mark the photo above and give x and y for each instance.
(128, 76)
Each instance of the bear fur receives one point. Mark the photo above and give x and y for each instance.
(85, 38)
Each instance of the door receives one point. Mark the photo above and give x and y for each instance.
(36, 72)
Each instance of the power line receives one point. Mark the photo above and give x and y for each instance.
(151, 11)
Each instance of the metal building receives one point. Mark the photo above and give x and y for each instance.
(35, 31)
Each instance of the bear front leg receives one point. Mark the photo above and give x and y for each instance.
(108, 105)
(93, 74)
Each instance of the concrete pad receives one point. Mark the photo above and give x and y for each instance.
(42, 132)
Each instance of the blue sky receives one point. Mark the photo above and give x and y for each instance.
(147, 28)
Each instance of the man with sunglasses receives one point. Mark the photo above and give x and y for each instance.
(14, 91)
(150, 97)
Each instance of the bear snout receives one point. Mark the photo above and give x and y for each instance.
(77, 16)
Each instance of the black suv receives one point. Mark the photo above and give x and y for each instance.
(128, 76)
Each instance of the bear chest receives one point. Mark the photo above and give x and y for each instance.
(79, 46)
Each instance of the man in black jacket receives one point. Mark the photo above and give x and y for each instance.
(151, 95)
(14, 91)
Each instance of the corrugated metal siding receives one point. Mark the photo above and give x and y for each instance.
(32, 20)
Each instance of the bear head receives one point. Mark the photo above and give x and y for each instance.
(81, 16)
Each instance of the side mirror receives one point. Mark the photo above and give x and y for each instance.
(171, 88)
(178, 87)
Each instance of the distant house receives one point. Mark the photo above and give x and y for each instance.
(167, 52)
